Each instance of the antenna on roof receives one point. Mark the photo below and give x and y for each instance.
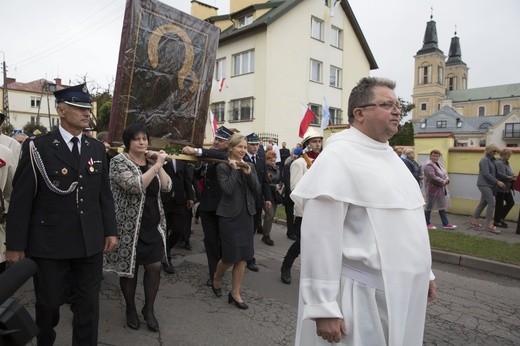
(431, 15)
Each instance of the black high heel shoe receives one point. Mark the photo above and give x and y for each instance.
(132, 321)
(240, 305)
(217, 291)
(152, 324)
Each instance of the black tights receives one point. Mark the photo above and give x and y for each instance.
(151, 280)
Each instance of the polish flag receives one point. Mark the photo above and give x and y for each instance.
(221, 84)
(213, 122)
(308, 116)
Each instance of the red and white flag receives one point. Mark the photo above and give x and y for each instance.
(308, 117)
(213, 122)
(221, 84)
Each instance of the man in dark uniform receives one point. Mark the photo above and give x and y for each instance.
(176, 205)
(211, 195)
(253, 142)
(62, 216)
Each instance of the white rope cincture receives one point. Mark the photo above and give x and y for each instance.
(36, 159)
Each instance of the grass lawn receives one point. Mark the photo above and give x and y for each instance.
(454, 242)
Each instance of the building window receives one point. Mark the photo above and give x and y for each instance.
(506, 109)
(425, 74)
(241, 109)
(316, 28)
(244, 62)
(423, 124)
(335, 77)
(459, 123)
(512, 130)
(464, 83)
(452, 83)
(244, 21)
(218, 110)
(336, 37)
(33, 120)
(220, 69)
(35, 102)
(424, 106)
(441, 124)
(316, 109)
(481, 111)
(315, 71)
(440, 72)
(335, 116)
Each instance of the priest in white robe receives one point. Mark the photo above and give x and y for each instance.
(366, 261)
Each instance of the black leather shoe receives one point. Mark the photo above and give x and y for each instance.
(168, 268)
(286, 275)
(132, 321)
(293, 237)
(240, 305)
(500, 224)
(217, 291)
(152, 323)
(267, 240)
(252, 266)
(209, 282)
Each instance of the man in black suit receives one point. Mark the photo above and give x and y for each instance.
(211, 195)
(62, 216)
(284, 155)
(253, 142)
(176, 206)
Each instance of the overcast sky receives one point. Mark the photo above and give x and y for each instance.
(71, 39)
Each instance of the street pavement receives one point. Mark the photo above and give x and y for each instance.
(473, 308)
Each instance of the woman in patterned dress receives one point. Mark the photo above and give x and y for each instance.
(137, 177)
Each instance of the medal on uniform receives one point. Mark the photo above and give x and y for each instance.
(91, 164)
(64, 171)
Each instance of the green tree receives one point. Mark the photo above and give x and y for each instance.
(404, 135)
(29, 128)
(7, 129)
(104, 105)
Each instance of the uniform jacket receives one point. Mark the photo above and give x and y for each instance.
(182, 191)
(129, 196)
(211, 192)
(51, 225)
(261, 173)
(233, 188)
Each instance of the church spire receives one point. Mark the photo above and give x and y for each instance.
(430, 39)
(455, 55)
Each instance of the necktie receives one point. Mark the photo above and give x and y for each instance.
(253, 157)
(75, 149)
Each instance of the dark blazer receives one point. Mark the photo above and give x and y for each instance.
(50, 225)
(232, 182)
(182, 185)
(262, 176)
(211, 191)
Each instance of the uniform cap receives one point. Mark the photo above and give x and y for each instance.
(223, 133)
(252, 138)
(76, 96)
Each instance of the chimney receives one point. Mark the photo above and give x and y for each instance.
(202, 11)
(58, 82)
(10, 80)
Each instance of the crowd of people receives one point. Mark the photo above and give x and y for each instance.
(90, 211)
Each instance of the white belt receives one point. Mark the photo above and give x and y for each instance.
(357, 271)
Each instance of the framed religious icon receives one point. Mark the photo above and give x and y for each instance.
(164, 73)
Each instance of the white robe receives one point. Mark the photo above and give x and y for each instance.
(362, 205)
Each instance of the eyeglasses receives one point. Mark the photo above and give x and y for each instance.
(385, 105)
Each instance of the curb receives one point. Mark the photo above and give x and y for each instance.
(505, 269)
(499, 268)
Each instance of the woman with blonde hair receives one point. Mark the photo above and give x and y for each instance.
(239, 183)
(487, 184)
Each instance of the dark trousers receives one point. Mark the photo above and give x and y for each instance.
(501, 209)
(176, 225)
(295, 248)
(212, 243)
(49, 285)
(289, 214)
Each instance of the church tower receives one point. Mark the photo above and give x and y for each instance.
(456, 71)
(429, 90)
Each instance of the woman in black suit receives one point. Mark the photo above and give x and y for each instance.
(239, 184)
